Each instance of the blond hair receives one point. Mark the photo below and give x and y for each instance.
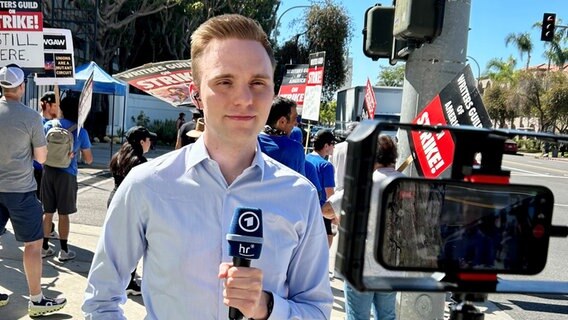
(227, 26)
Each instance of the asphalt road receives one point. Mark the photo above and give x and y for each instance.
(554, 175)
(96, 185)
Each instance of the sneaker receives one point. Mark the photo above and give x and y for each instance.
(64, 256)
(47, 253)
(45, 306)
(133, 289)
(4, 299)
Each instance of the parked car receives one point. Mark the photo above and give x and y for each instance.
(510, 147)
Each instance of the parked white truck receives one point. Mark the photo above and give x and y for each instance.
(350, 105)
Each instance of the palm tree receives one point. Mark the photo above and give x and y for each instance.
(501, 71)
(523, 43)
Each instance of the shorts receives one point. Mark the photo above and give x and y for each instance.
(327, 223)
(25, 212)
(58, 191)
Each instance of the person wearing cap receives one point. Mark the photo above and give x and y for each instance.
(176, 210)
(49, 110)
(324, 143)
(182, 137)
(275, 141)
(59, 185)
(131, 153)
(180, 120)
(22, 141)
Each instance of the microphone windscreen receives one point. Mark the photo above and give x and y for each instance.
(245, 233)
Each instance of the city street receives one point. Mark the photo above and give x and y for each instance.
(96, 183)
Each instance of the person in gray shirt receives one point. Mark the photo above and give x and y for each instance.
(23, 140)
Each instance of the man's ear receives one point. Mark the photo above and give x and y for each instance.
(195, 97)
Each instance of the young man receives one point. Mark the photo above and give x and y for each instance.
(176, 210)
(59, 185)
(275, 141)
(324, 142)
(49, 111)
(22, 140)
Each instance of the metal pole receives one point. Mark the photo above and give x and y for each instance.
(275, 31)
(428, 70)
(478, 68)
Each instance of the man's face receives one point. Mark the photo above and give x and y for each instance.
(236, 89)
(292, 122)
(52, 110)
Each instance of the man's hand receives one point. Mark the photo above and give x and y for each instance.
(243, 290)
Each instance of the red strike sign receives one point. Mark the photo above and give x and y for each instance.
(370, 99)
(24, 21)
(433, 150)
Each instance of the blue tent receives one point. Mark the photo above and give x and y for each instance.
(102, 81)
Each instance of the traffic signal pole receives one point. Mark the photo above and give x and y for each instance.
(428, 70)
(431, 67)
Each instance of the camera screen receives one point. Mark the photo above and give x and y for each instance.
(453, 226)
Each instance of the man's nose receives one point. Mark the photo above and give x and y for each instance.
(243, 95)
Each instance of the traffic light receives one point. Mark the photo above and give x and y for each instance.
(420, 20)
(548, 25)
(377, 32)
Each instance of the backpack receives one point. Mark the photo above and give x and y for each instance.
(59, 145)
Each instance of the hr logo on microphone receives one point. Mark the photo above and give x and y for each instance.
(244, 250)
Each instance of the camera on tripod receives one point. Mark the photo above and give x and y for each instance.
(468, 228)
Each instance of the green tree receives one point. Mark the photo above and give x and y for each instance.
(523, 43)
(556, 98)
(496, 99)
(392, 76)
(502, 71)
(329, 28)
(327, 113)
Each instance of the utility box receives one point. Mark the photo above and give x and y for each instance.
(418, 19)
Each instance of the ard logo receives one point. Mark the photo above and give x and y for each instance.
(249, 222)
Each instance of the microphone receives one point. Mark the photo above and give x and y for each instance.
(245, 242)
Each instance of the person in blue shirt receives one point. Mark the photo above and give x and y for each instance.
(324, 142)
(274, 140)
(176, 210)
(59, 185)
(297, 134)
(49, 110)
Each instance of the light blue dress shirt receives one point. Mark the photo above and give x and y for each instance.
(175, 212)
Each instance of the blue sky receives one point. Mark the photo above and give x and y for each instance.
(490, 22)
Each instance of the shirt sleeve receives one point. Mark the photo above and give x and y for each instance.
(85, 142)
(114, 260)
(328, 176)
(38, 135)
(309, 295)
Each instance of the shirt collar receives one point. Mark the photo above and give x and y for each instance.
(198, 153)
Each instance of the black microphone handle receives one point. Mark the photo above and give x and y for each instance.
(234, 313)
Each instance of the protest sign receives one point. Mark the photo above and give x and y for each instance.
(294, 84)
(169, 81)
(59, 65)
(370, 101)
(85, 101)
(314, 85)
(21, 34)
(458, 104)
